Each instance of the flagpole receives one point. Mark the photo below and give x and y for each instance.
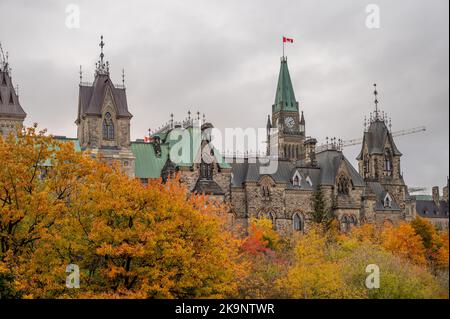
(283, 47)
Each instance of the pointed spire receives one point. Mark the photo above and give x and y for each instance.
(302, 119)
(269, 123)
(285, 96)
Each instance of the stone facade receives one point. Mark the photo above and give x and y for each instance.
(104, 120)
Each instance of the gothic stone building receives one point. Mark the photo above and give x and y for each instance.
(376, 193)
(11, 113)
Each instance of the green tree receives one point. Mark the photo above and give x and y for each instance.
(320, 214)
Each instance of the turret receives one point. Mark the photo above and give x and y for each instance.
(12, 114)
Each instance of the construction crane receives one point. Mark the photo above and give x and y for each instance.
(414, 130)
(416, 189)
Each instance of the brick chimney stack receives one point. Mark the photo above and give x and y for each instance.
(310, 150)
(435, 193)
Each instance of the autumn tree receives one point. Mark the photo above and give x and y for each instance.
(435, 243)
(60, 207)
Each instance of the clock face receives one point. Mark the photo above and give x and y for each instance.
(289, 121)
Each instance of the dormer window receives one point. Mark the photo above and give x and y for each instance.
(387, 202)
(108, 127)
(297, 179)
(309, 181)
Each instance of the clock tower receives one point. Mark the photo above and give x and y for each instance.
(287, 119)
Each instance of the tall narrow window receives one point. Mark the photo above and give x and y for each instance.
(366, 166)
(272, 218)
(206, 171)
(108, 127)
(387, 161)
(343, 185)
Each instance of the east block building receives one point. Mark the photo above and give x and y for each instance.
(375, 192)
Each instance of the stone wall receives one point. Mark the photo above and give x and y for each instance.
(9, 126)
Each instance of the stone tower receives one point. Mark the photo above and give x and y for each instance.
(104, 120)
(379, 159)
(11, 113)
(286, 118)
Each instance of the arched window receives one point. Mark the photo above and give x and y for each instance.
(108, 127)
(347, 222)
(387, 161)
(298, 223)
(344, 224)
(272, 218)
(343, 185)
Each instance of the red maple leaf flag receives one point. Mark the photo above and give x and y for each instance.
(290, 40)
(147, 139)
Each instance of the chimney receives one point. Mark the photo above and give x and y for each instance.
(445, 192)
(310, 149)
(435, 193)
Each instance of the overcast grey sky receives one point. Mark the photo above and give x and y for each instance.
(222, 58)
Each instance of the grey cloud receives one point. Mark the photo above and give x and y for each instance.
(222, 57)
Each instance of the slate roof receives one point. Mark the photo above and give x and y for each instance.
(329, 162)
(376, 137)
(9, 101)
(285, 96)
(208, 187)
(91, 97)
(431, 209)
(378, 190)
(325, 174)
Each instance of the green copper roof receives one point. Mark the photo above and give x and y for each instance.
(147, 164)
(76, 145)
(285, 97)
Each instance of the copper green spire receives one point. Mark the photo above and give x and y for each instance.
(285, 97)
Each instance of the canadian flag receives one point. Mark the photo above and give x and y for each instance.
(290, 40)
(147, 139)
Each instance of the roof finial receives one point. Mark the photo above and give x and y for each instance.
(102, 44)
(123, 77)
(102, 68)
(365, 123)
(81, 74)
(375, 92)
